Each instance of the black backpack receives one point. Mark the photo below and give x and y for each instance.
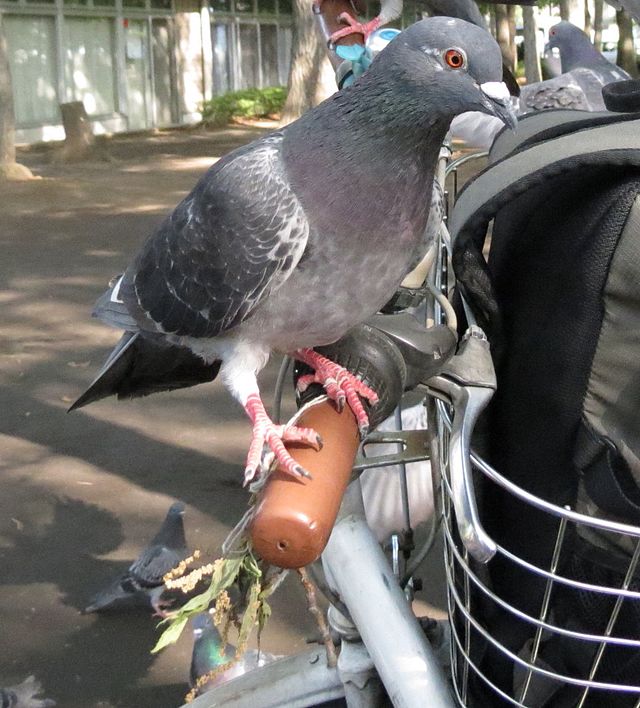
(559, 299)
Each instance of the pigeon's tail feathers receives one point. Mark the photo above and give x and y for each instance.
(120, 593)
(141, 365)
(24, 695)
(111, 310)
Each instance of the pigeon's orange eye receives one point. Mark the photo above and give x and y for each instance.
(454, 58)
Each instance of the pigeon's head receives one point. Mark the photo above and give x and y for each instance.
(175, 510)
(565, 35)
(455, 65)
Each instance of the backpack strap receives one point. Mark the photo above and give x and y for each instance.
(545, 125)
(615, 145)
(606, 474)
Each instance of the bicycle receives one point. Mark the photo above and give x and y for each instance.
(386, 655)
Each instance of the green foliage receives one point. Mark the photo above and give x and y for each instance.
(249, 103)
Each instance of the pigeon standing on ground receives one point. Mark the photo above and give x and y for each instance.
(24, 695)
(577, 52)
(143, 581)
(209, 654)
(289, 242)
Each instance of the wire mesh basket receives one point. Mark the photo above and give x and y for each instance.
(564, 629)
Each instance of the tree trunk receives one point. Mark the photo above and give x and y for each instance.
(587, 19)
(598, 6)
(9, 168)
(503, 37)
(532, 70)
(307, 75)
(572, 11)
(626, 50)
(511, 15)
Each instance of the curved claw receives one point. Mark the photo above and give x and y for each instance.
(340, 385)
(267, 434)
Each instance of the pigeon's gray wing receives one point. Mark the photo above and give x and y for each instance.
(579, 89)
(153, 564)
(234, 239)
(25, 695)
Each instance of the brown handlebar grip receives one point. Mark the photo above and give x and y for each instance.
(294, 518)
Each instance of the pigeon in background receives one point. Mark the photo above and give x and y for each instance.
(143, 581)
(577, 52)
(631, 7)
(209, 654)
(288, 242)
(24, 695)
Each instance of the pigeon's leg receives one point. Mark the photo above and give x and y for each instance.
(355, 27)
(341, 385)
(160, 606)
(266, 432)
(238, 373)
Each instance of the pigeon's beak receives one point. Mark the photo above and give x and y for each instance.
(497, 100)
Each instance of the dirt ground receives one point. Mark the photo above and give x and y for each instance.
(81, 493)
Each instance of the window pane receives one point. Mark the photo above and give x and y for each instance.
(244, 6)
(269, 46)
(248, 56)
(267, 7)
(134, 3)
(221, 67)
(221, 5)
(284, 54)
(161, 4)
(105, 3)
(88, 60)
(284, 7)
(30, 41)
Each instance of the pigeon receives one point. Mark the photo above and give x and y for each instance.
(389, 10)
(24, 695)
(631, 7)
(290, 241)
(143, 581)
(209, 654)
(577, 52)
(579, 89)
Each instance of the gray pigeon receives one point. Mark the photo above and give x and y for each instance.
(287, 243)
(24, 695)
(577, 52)
(143, 581)
(209, 654)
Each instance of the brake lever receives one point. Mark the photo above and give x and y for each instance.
(467, 382)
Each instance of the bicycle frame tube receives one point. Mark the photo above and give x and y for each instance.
(358, 571)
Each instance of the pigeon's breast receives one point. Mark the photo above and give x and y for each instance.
(331, 291)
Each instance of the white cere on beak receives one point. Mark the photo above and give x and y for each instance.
(497, 90)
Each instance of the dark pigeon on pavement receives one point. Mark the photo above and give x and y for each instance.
(24, 695)
(143, 581)
(577, 52)
(289, 242)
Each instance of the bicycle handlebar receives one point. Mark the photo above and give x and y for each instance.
(294, 517)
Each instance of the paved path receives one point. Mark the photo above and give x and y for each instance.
(81, 493)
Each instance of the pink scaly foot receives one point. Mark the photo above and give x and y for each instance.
(355, 27)
(340, 385)
(266, 432)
